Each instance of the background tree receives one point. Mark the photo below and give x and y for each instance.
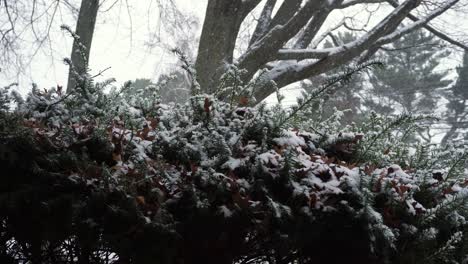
(410, 82)
(348, 97)
(172, 87)
(458, 97)
(26, 27)
(284, 42)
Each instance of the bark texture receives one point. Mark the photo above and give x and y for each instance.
(222, 24)
(82, 47)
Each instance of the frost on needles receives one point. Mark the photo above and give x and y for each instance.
(118, 177)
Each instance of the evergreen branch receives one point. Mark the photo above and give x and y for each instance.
(461, 158)
(449, 245)
(398, 122)
(188, 67)
(338, 79)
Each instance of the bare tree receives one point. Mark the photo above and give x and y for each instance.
(25, 31)
(286, 41)
(27, 28)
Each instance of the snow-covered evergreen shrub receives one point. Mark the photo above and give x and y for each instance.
(121, 178)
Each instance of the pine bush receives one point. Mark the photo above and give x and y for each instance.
(119, 177)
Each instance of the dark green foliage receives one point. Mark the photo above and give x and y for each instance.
(48, 215)
(348, 97)
(126, 179)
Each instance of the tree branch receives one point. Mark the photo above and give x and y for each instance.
(406, 30)
(266, 48)
(264, 21)
(326, 33)
(311, 29)
(249, 5)
(287, 74)
(433, 30)
(285, 12)
(303, 54)
(10, 19)
(416, 25)
(349, 3)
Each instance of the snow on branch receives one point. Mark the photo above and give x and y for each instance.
(265, 49)
(326, 33)
(264, 21)
(302, 54)
(344, 53)
(349, 3)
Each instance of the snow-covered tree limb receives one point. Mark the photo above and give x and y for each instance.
(311, 30)
(302, 54)
(264, 21)
(349, 3)
(264, 50)
(295, 72)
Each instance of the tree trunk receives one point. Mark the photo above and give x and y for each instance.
(218, 39)
(82, 46)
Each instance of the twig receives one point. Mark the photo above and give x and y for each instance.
(100, 73)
